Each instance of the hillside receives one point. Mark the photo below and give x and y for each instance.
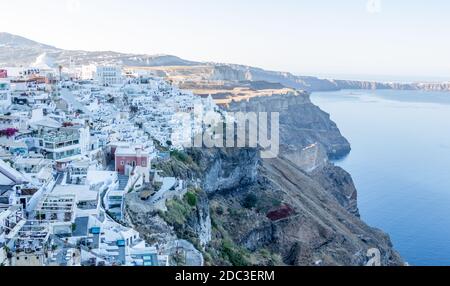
(18, 51)
(220, 80)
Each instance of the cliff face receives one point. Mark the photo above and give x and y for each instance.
(339, 183)
(225, 169)
(301, 123)
(250, 211)
(318, 229)
(288, 217)
(229, 73)
(308, 83)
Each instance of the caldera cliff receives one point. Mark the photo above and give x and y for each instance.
(282, 211)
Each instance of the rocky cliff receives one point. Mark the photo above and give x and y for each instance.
(301, 123)
(245, 73)
(250, 211)
(288, 218)
(280, 216)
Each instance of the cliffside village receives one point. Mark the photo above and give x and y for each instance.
(74, 141)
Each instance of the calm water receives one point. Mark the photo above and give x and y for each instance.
(401, 165)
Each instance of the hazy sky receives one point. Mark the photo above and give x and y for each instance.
(390, 37)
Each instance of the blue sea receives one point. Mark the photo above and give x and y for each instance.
(400, 163)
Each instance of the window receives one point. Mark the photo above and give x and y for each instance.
(144, 164)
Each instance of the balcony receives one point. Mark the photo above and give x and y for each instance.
(60, 138)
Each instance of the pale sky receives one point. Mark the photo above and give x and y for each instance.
(312, 37)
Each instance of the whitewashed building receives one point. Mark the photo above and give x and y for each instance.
(88, 72)
(109, 75)
(5, 95)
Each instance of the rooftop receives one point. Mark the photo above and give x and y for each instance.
(61, 135)
(124, 151)
(82, 192)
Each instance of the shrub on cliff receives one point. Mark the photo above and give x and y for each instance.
(191, 199)
(181, 156)
(250, 201)
(232, 253)
(177, 213)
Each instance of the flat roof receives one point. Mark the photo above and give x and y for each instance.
(130, 151)
(96, 177)
(31, 161)
(82, 192)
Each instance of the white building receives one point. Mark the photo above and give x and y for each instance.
(109, 75)
(113, 244)
(5, 95)
(65, 142)
(88, 72)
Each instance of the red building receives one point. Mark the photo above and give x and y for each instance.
(3, 73)
(129, 158)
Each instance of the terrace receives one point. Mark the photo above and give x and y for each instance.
(60, 138)
(56, 208)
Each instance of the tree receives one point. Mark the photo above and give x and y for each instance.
(191, 199)
(250, 201)
(134, 109)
